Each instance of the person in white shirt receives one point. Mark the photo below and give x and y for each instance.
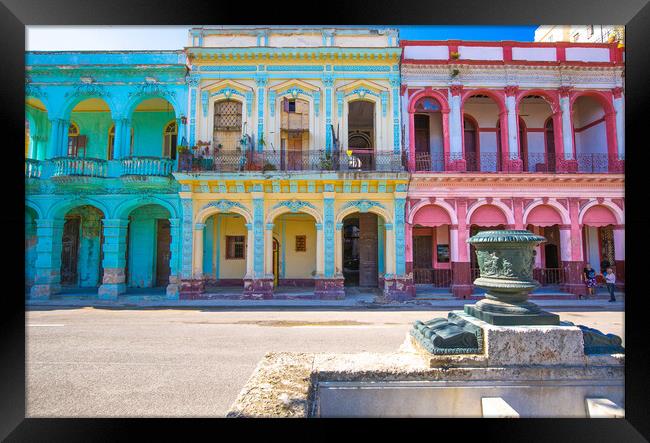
(610, 281)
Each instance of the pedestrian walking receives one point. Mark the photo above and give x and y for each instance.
(610, 281)
(589, 277)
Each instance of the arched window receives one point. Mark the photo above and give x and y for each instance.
(76, 141)
(111, 142)
(170, 137)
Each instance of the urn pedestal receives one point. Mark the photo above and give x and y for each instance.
(506, 260)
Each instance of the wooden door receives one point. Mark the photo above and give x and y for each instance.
(421, 123)
(422, 252)
(368, 272)
(70, 251)
(163, 242)
(470, 149)
(295, 152)
(550, 146)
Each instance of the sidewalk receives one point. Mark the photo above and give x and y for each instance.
(363, 301)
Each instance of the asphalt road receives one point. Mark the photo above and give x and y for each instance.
(91, 362)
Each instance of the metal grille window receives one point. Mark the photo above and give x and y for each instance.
(301, 243)
(235, 246)
(227, 116)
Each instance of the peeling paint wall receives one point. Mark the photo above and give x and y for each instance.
(89, 254)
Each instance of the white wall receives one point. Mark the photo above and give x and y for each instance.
(594, 139)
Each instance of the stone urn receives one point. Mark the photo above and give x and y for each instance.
(506, 260)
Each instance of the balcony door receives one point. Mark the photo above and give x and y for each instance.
(470, 133)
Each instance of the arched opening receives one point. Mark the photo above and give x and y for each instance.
(431, 249)
(485, 218)
(361, 133)
(364, 240)
(81, 253)
(225, 252)
(590, 134)
(30, 246)
(536, 134)
(598, 238)
(90, 122)
(545, 221)
(37, 129)
(429, 141)
(154, 129)
(482, 137)
(295, 260)
(471, 143)
(227, 126)
(294, 133)
(148, 251)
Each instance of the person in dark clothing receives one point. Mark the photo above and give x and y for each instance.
(589, 277)
(610, 281)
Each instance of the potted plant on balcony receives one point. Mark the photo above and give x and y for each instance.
(454, 55)
(269, 167)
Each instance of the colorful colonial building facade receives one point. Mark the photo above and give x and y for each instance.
(257, 162)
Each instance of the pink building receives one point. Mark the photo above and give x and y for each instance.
(513, 135)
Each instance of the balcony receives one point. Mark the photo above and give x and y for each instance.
(307, 160)
(74, 166)
(147, 166)
(532, 163)
(67, 168)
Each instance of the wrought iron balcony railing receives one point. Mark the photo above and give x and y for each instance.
(534, 162)
(92, 167)
(32, 168)
(288, 160)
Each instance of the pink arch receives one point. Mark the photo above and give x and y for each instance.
(599, 215)
(544, 215)
(551, 98)
(604, 98)
(488, 215)
(428, 92)
(432, 216)
(497, 96)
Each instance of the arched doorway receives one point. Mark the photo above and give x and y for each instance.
(148, 247)
(590, 134)
(81, 254)
(598, 237)
(363, 249)
(361, 133)
(536, 134)
(429, 141)
(295, 256)
(431, 248)
(88, 133)
(225, 252)
(154, 129)
(482, 136)
(545, 220)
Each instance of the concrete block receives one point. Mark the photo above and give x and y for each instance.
(497, 407)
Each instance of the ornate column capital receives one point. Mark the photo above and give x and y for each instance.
(511, 90)
(456, 89)
(617, 92)
(564, 91)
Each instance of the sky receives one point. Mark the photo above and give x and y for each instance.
(63, 38)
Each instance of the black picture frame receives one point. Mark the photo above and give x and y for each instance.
(635, 14)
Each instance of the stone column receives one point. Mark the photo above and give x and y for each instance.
(571, 251)
(173, 288)
(58, 146)
(408, 234)
(47, 278)
(259, 284)
(399, 286)
(189, 287)
(390, 253)
(397, 132)
(328, 82)
(510, 150)
(197, 263)
(338, 248)
(261, 81)
(114, 248)
(329, 284)
(250, 247)
(619, 255)
(568, 162)
(268, 251)
(460, 261)
(412, 163)
(619, 107)
(456, 161)
(320, 265)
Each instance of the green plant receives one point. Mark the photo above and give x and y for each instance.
(182, 149)
(454, 55)
(327, 163)
(269, 167)
(455, 72)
